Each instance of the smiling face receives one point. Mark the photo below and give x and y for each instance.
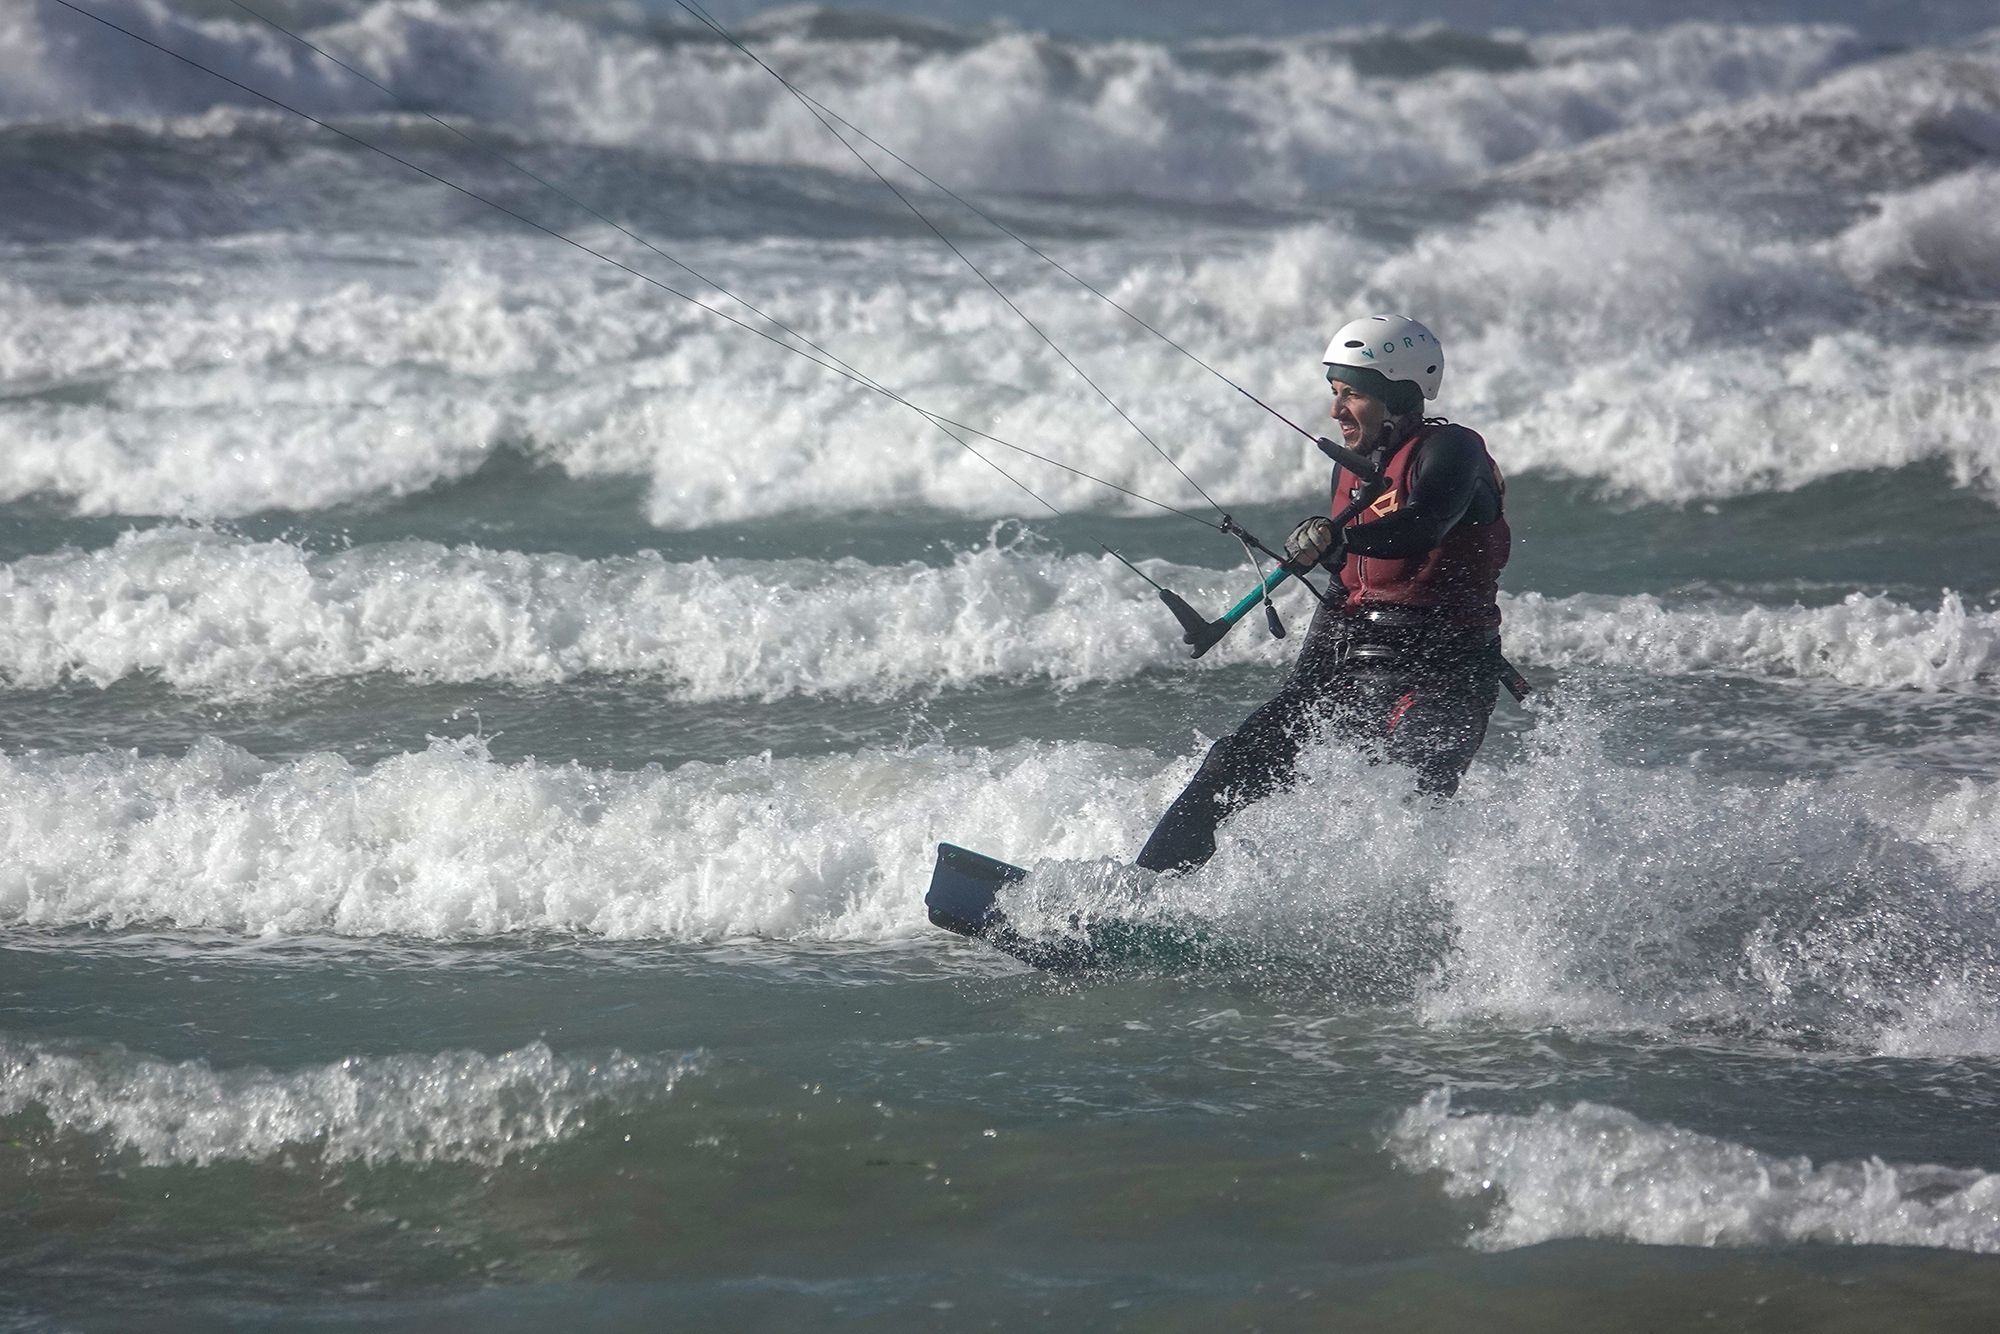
(1362, 418)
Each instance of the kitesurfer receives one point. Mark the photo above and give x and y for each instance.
(1403, 658)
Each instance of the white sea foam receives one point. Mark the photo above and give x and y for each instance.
(1281, 119)
(1863, 640)
(305, 389)
(1940, 236)
(1887, 123)
(263, 394)
(207, 613)
(1578, 891)
(1596, 1171)
(1854, 908)
(1745, 373)
(447, 843)
(307, 393)
(455, 317)
(1658, 338)
(452, 1107)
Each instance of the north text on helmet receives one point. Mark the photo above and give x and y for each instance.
(1390, 346)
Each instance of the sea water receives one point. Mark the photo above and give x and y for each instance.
(476, 726)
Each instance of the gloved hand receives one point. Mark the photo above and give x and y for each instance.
(1313, 542)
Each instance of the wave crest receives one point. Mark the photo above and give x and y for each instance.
(1596, 1171)
(453, 1107)
(1856, 909)
(994, 108)
(210, 614)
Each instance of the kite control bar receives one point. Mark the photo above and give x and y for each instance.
(1202, 634)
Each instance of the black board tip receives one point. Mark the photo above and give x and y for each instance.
(964, 885)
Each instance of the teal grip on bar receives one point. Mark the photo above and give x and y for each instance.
(1255, 596)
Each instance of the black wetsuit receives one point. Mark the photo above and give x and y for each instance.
(1407, 687)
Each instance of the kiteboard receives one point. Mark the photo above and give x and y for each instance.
(1376, 966)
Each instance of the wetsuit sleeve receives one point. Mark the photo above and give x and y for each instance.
(1445, 478)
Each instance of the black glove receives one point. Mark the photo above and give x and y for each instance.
(1313, 542)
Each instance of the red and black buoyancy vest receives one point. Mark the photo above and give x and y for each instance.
(1459, 578)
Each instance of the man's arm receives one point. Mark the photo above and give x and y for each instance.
(1445, 479)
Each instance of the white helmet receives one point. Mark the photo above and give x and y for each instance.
(1395, 347)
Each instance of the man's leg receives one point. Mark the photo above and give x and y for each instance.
(1257, 758)
(1435, 726)
(1251, 762)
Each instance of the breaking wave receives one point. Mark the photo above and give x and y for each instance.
(1933, 238)
(454, 1107)
(1856, 909)
(1757, 368)
(1863, 640)
(448, 844)
(1879, 124)
(1596, 1171)
(1291, 119)
(210, 614)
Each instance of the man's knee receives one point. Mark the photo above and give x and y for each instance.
(1436, 733)
(1220, 758)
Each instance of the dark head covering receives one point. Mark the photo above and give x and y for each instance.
(1401, 397)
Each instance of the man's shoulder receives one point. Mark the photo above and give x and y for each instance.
(1443, 440)
(1451, 434)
